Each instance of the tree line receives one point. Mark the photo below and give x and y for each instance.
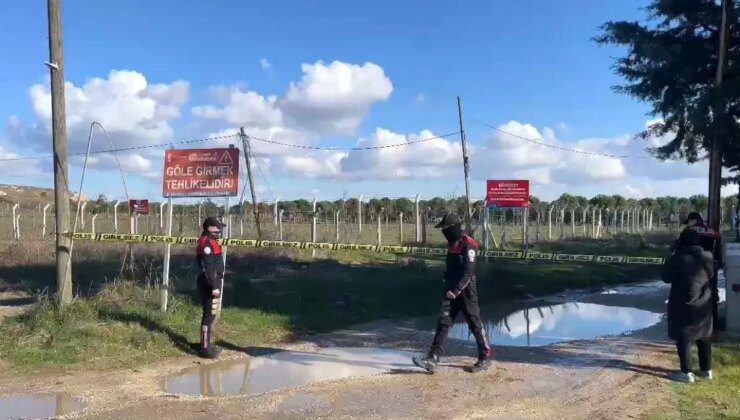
(391, 208)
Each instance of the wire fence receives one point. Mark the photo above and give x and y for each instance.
(349, 223)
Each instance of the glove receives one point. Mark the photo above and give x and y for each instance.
(215, 301)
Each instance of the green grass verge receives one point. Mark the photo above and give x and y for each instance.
(121, 327)
(717, 399)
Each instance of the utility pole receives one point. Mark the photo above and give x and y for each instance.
(466, 167)
(59, 135)
(715, 153)
(245, 143)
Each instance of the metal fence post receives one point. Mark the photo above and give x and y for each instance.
(15, 221)
(275, 211)
(43, 222)
(380, 225)
(115, 216)
(417, 221)
(280, 225)
(400, 228)
(81, 207)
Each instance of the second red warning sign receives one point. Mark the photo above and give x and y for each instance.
(201, 173)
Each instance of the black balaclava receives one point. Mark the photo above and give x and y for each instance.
(214, 235)
(212, 222)
(453, 233)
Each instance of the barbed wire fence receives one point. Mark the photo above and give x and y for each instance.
(403, 221)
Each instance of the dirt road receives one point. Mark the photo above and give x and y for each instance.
(616, 377)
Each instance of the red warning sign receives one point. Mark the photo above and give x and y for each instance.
(201, 173)
(138, 206)
(514, 193)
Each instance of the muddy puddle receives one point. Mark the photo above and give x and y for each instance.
(282, 370)
(41, 406)
(544, 324)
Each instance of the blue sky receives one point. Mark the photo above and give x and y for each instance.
(528, 66)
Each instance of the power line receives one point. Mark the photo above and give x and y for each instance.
(123, 149)
(353, 149)
(235, 135)
(552, 146)
(259, 168)
(272, 176)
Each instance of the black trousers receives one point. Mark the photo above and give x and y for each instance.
(705, 354)
(467, 303)
(205, 294)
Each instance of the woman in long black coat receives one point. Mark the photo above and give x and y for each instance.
(689, 271)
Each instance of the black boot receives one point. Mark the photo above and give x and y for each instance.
(481, 365)
(428, 362)
(207, 350)
(484, 353)
(210, 352)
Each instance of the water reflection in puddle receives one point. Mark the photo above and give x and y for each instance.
(284, 370)
(544, 325)
(38, 406)
(638, 289)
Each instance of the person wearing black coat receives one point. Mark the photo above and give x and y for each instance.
(689, 271)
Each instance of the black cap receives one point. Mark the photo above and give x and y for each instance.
(448, 221)
(212, 221)
(693, 216)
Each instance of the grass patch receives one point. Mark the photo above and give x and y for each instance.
(121, 327)
(716, 399)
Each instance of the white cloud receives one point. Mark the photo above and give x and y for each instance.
(333, 99)
(265, 64)
(507, 151)
(429, 159)
(420, 100)
(324, 164)
(133, 111)
(434, 158)
(242, 108)
(19, 168)
(330, 99)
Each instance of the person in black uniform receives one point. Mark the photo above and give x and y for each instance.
(711, 241)
(461, 295)
(210, 278)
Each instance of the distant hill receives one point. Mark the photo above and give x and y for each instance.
(31, 195)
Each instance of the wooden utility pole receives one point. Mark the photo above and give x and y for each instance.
(59, 135)
(715, 153)
(466, 167)
(245, 143)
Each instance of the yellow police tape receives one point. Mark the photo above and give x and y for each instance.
(408, 250)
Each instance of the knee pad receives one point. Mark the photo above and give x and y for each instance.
(215, 305)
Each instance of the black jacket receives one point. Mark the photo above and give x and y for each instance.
(210, 261)
(460, 261)
(689, 271)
